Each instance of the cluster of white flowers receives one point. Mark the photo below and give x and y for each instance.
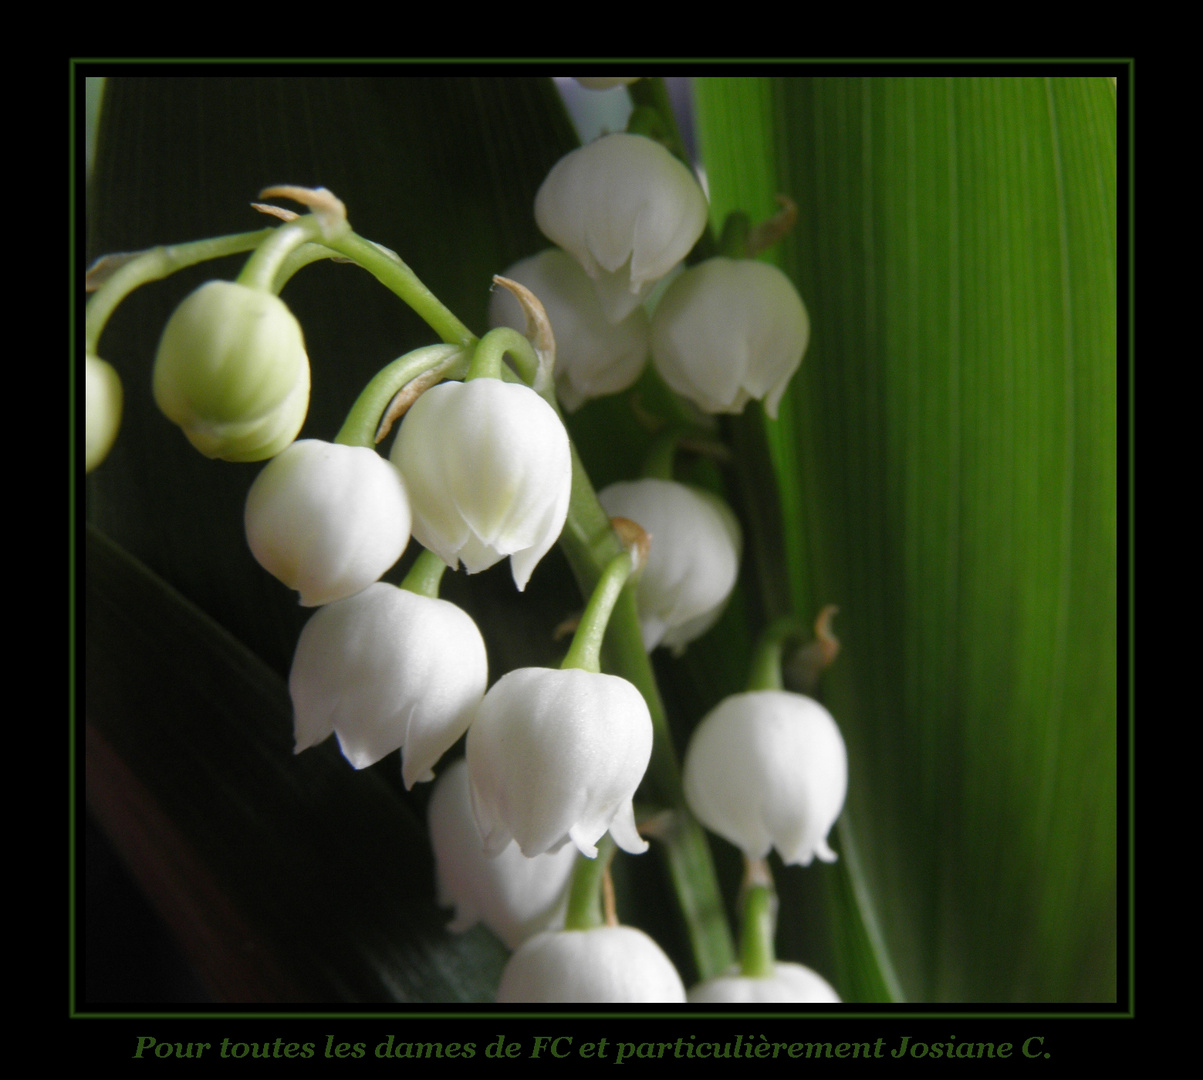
(626, 213)
(481, 470)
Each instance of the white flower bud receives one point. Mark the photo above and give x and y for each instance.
(232, 372)
(605, 964)
(512, 895)
(768, 769)
(327, 519)
(790, 983)
(387, 669)
(728, 330)
(626, 210)
(489, 473)
(102, 409)
(594, 356)
(693, 560)
(557, 755)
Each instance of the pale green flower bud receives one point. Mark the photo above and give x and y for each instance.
(102, 410)
(626, 210)
(604, 964)
(728, 330)
(232, 372)
(693, 560)
(789, 983)
(768, 769)
(388, 669)
(327, 519)
(489, 473)
(512, 895)
(556, 755)
(594, 356)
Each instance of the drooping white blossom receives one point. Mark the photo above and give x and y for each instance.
(555, 755)
(767, 769)
(594, 356)
(489, 473)
(693, 560)
(607, 964)
(626, 210)
(789, 983)
(327, 519)
(512, 895)
(729, 330)
(387, 669)
(232, 371)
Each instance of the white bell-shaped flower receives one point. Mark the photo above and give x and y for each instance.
(388, 669)
(327, 519)
(693, 560)
(604, 964)
(557, 755)
(102, 408)
(768, 769)
(512, 895)
(489, 473)
(626, 210)
(789, 983)
(594, 356)
(232, 371)
(728, 330)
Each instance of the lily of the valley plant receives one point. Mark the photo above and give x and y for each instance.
(660, 326)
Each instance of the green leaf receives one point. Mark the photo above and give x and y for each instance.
(946, 466)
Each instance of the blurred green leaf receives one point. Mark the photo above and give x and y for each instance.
(946, 462)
